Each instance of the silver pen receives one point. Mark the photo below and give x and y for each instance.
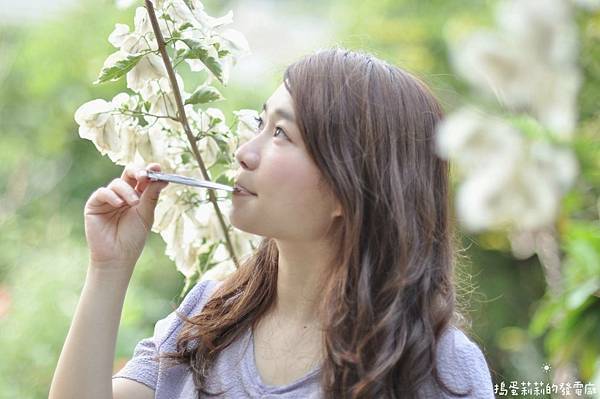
(188, 181)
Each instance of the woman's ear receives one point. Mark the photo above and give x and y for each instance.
(338, 210)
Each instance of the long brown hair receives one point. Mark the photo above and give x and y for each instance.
(369, 127)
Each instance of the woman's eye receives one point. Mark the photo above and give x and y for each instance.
(281, 130)
(259, 121)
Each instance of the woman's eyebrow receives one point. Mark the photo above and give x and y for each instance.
(281, 112)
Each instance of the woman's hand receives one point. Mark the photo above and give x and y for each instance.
(119, 217)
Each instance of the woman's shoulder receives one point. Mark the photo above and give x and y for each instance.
(462, 364)
(198, 296)
(456, 349)
(192, 304)
(453, 339)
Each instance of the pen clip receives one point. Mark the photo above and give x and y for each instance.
(188, 181)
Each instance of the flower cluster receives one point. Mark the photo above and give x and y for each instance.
(516, 168)
(144, 125)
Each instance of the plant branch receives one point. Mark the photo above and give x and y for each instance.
(184, 122)
(140, 113)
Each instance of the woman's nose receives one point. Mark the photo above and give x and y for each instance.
(247, 158)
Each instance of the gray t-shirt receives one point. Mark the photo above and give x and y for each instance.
(460, 362)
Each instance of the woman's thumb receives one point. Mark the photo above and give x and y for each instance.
(149, 199)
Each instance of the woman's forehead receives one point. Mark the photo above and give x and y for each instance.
(281, 97)
(280, 100)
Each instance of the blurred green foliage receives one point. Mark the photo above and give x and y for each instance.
(48, 172)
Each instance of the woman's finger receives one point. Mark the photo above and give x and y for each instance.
(128, 175)
(136, 176)
(104, 195)
(125, 191)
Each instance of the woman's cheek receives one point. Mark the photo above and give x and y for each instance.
(296, 171)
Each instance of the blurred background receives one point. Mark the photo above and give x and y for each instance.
(51, 52)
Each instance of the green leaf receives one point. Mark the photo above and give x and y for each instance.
(532, 128)
(186, 157)
(199, 51)
(580, 294)
(205, 260)
(120, 68)
(185, 26)
(540, 322)
(214, 121)
(217, 172)
(204, 94)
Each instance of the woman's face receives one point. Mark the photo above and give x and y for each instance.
(289, 204)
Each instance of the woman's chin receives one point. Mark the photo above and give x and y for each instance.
(235, 220)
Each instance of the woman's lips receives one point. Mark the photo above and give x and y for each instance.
(241, 190)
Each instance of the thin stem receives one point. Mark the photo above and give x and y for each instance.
(186, 127)
(549, 253)
(139, 113)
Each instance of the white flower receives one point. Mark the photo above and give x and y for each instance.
(168, 208)
(473, 140)
(525, 196)
(149, 76)
(91, 116)
(243, 246)
(118, 35)
(115, 57)
(164, 104)
(488, 201)
(123, 146)
(206, 221)
(508, 181)
(112, 134)
(215, 114)
(557, 165)
(200, 122)
(179, 12)
(152, 145)
(544, 27)
(186, 221)
(125, 101)
(234, 41)
(141, 39)
(209, 149)
(206, 20)
(153, 87)
(530, 63)
(184, 226)
(164, 145)
(150, 68)
(210, 32)
(143, 26)
(183, 243)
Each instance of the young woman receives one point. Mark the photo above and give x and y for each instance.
(351, 292)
